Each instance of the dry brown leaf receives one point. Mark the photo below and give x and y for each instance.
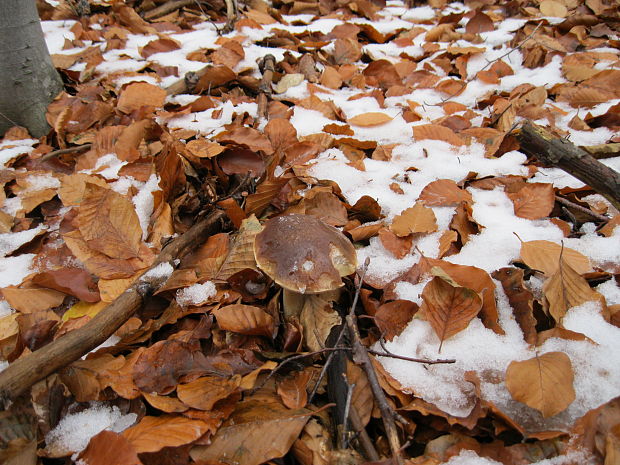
(267, 190)
(449, 307)
(417, 219)
(292, 389)
(479, 23)
(444, 193)
(241, 253)
(437, 132)
(545, 256)
(109, 223)
(166, 404)
(281, 133)
(565, 289)
(245, 319)
(392, 317)
(362, 398)
(32, 300)
(544, 382)
(370, 119)
(72, 187)
(347, 51)
(203, 148)
(109, 448)
(397, 246)
(553, 8)
(141, 94)
(533, 201)
(257, 431)
(520, 299)
(152, 434)
(203, 393)
(317, 318)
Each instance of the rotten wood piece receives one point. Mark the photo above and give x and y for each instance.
(538, 142)
(20, 375)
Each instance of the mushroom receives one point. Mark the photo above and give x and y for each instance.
(303, 254)
(308, 258)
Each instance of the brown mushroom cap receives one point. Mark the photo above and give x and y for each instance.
(303, 254)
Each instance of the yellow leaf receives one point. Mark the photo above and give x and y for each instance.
(544, 383)
(84, 309)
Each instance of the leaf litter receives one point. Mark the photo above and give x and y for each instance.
(392, 122)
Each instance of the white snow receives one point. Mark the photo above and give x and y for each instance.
(196, 294)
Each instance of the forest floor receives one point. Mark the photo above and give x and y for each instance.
(481, 325)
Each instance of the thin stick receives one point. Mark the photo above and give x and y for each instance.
(411, 359)
(168, 7)
(20, 375)
(55, 153)
(344, 443)
(361, 357)
(578, 207)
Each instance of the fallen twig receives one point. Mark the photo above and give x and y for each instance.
(55, 153)
(411, 359)
(578, 207)
(538, 142)
(360, 356)
(168, 7)
(24, 372)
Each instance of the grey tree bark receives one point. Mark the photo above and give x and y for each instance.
(28, 79)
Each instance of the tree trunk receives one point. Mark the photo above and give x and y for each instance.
(28, 79)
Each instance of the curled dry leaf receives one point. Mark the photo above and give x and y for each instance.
(245, 319)
(154, 433)
(545, 256)
(241, 255)
(417, 219)
(533, 201)
(544, 383)
(521, 300)
(397, 246)
(317, 318)
(565, 289)
(449, 307)
(370, 119)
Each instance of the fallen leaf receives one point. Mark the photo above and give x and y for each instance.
(449, 307)
(444, 193)
(140, 94)
(520, 299)
(479, 23)
(203, 393)
(417, 219)
(397, 246)
(109, 224)
(553, 8)
(392, 317)
(256, 432)
(317, 318)
(545, 256)
(109, 448)
(565, 289)
(152, 434)
(533, 201)
(292, 389)
(437, 132)
(544, 382)
(369, 119)
(245, 319)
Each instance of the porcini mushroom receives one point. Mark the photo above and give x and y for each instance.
(303, 254)
(308, 258)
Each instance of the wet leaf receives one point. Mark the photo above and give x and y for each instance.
(448, 307)
(544, 383)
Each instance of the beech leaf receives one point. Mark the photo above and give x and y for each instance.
(544, 382)
(370, 119)
(545, 256)
(245, 319)
(109, 448)
(154, 433)
(533, 201)
(417, 219)
(448, 307)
